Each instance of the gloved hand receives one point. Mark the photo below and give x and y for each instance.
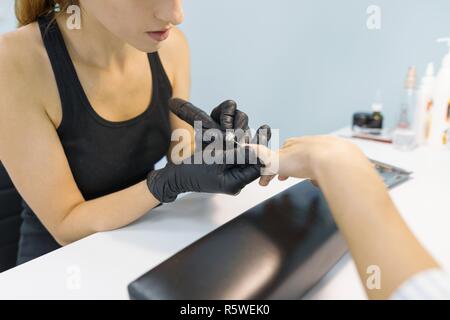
(167, 183)
(224, 117)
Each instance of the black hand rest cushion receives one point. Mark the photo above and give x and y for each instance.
(276, 250)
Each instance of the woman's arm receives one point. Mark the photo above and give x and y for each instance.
(31, 151)
(34, 158)
(366, 216)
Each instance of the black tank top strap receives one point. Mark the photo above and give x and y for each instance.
(63, 68)
(163, 82)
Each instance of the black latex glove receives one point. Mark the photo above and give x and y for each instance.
(167, 183)
(224, 117)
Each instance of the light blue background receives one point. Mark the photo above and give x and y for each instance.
(7, 21)
(305, 66)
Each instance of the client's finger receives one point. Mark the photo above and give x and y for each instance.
(268, 158)
(282, 178)
(265, 180)
(262, 152)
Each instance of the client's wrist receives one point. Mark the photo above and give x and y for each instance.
(336, 155)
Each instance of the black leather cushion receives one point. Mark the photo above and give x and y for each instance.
(276, 250)
(10, 221)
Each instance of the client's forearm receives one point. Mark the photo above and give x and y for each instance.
(368, 219)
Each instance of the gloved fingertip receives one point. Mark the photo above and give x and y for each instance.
(266, 128)
(263, 135)
(227, 114)
(230, 105)
(241, 121)
(175, 104)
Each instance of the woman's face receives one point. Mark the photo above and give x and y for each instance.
(144, 24)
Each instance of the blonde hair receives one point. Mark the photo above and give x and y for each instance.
(28, 11)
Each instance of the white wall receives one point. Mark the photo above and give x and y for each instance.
(305, 65)
(7, 20)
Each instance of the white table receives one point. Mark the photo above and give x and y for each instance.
(102, 265)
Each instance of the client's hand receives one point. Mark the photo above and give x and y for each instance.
(304, 156)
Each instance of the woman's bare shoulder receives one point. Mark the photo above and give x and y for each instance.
(23, 64)
(177, 43)
(175, 56)
(22, 46)
(175, 52)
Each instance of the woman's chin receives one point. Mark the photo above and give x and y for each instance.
(149, 48)
(145, 44)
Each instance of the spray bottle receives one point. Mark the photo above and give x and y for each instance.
(423, 113)
(441, 109)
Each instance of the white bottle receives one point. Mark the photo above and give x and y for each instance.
(441, 109)
(423, 114)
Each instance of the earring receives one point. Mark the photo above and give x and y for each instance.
(57, 7)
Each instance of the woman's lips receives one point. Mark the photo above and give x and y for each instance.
(159, 35)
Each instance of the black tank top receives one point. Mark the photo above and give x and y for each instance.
(104, 156)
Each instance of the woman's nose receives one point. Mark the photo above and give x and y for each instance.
(171, 11)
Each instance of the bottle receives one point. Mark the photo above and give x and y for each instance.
(423, 113)
(404, 121)
(377, 116)
(441, 108)
(404, 137)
